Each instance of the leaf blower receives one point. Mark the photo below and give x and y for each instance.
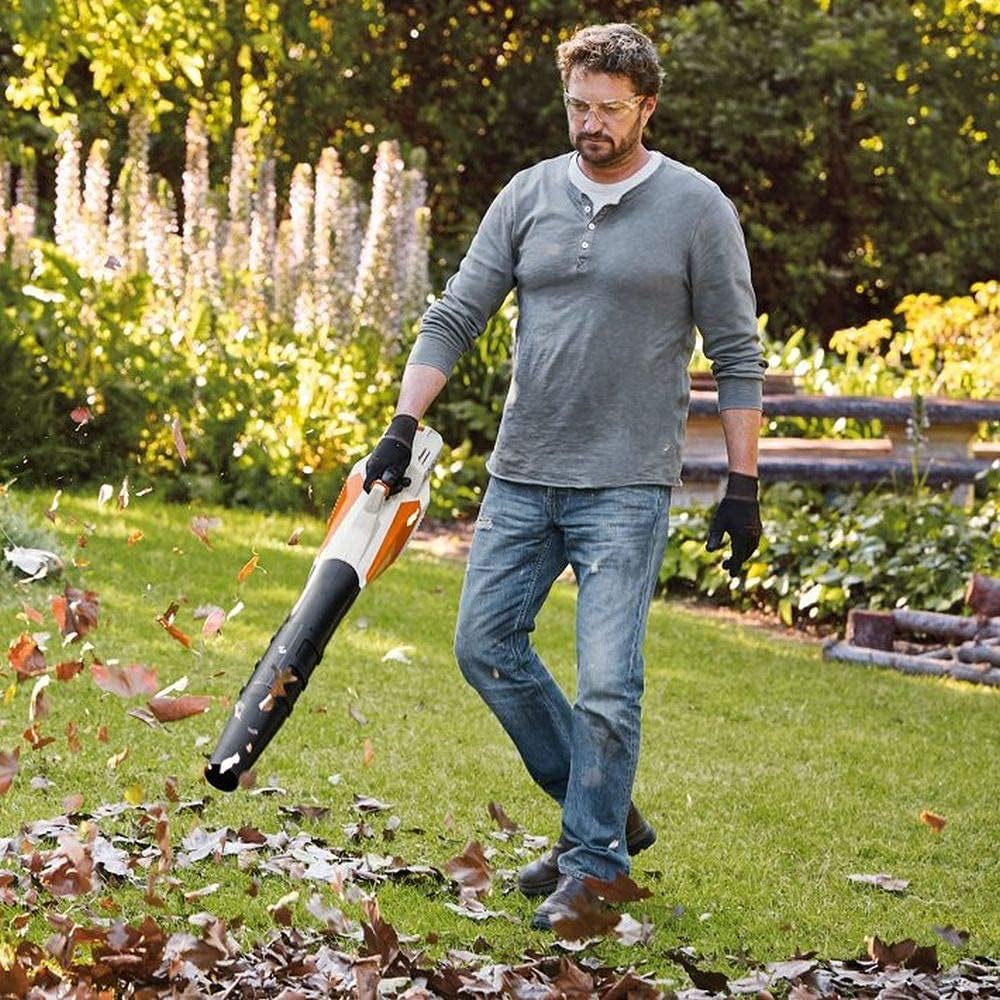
(365, 534)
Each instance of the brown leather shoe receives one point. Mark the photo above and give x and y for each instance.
(541, 877)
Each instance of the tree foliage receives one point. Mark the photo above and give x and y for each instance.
(857, 138)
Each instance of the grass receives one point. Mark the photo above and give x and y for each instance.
(770, 774)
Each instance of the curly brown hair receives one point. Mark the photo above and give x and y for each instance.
(616, 49)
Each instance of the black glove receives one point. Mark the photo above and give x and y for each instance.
(390, 459)
(738, 515)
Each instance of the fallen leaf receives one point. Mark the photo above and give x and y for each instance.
(935, 822)
(115, 759)
(248, 567)
(175, 709)
(68, 670)
(73, 737)
(293, 538)
(33, 736)
(134, 538)
(903, 954)
(367, 754)
(711, 982)
(179, 443)
(629, 932)
(72, 803)
(882, 881)
(399, 654)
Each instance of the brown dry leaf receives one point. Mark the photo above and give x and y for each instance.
(902, 954)
(115, 759)
(470, 869)
(295, 536)
(53, 507)
(9, 764)
(501, 819)
(102, 733)
(175, 709)
(75, 611)
(248, 567)
(134, 538)
(73, 737)
(38, 704)
(25, 656)
(33, 736)
(31, 615)
(368, 754)
(68, 670)
(167, 621)
(72, 803)
(935, 822)
(124, 498)
(585, 921)
(621, 890)
(179, 443)
(126, 682)
(170, 788)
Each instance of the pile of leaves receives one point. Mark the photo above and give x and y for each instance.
(75, 859)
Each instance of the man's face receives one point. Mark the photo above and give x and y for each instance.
(605, 139)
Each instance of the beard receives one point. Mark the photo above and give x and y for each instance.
(602, 150)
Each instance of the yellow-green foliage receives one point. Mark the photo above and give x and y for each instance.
(947, 347)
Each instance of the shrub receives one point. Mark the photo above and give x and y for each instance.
(825, 552)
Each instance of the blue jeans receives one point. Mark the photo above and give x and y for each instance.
(583, 755)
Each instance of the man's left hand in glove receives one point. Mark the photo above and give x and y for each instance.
(391, 458)
(737, 515)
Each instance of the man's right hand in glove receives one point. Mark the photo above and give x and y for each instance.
(391, 458)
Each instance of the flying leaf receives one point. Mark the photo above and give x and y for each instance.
(167, 621)
(33, 736)
(53, 507)
(126, 682)
(123, 494)
(104, 494)
(935, 822)
(248, 567)
(368, 754)
(621, 890)
(470, 869)
(68, 670)
(9, 763)
(501, 819)
(38, 706)
(134, 538)
(630, 932)
(175, 709)
(293, 538)
(25, 656)
(31, 615)
(952, 935)
(81, 415)
(76, 611)
(903, 954)
(213, 623)
(202, 525)
(179, 443)
(115, 759)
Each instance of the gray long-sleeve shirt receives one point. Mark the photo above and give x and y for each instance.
(607, 310)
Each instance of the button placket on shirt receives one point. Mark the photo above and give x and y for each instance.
(587, 241)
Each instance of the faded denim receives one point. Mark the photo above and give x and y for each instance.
(584, 755)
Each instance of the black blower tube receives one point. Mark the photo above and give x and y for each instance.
(283, 671)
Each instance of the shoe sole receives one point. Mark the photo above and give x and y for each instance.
(547, 888)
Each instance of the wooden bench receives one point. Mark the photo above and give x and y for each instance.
(948, 457)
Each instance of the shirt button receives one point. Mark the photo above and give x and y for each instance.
(586, 208)
(585, 245)
(591, 225)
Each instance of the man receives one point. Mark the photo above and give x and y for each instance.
(616, 253)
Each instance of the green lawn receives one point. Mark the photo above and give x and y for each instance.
(770, 775)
